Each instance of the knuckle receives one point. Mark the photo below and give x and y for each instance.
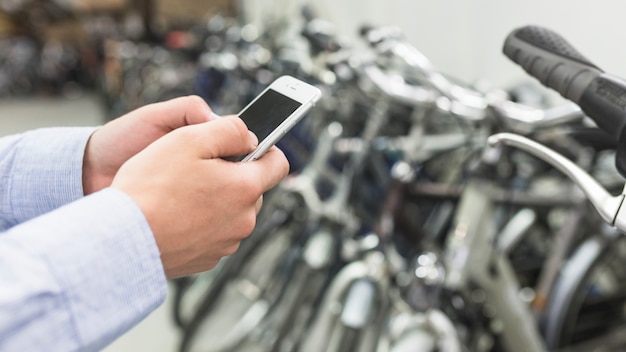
(248, 224)
(239, 127)
(251, 188)
(195, 101)
(283, 165)
(232, 249)
(279, 163)
(211, 264)
(184, 133)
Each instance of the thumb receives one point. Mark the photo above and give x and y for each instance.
(179, 112)
(224, 137)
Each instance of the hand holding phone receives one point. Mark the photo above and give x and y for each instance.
(276, 110)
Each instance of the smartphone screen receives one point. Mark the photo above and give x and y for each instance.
(268, 112)
(276, 110)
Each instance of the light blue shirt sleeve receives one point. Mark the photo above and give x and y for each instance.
(75, 272)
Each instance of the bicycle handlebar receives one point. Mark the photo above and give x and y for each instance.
(461, 101)
(548, 57)
(528, 119)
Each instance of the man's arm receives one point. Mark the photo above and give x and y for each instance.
(78, 277)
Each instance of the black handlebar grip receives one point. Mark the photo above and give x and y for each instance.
(548, 57)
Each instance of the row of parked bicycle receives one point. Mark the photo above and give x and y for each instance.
(421, 213)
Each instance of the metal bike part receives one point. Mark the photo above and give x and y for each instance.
(282, 328)
(525, 119)
(515, 230)
(449, 338)
(355, 315)
(572, 274)
(466, 103)
(396, 88)
(472, 260)
(319, 334)
(410, 62)
(304, 183)
(586, 308)
(609, 207)
(563, 240)
(427, 275)
(407, 330)
(328, 331)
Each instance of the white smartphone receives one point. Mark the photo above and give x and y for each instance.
(276, 110)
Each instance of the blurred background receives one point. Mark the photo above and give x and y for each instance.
(67, 48)
(84, 62)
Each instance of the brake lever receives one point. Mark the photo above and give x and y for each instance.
(610, 208)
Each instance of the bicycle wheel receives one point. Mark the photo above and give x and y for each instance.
(588, 305)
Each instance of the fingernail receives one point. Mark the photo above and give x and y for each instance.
(253, 139)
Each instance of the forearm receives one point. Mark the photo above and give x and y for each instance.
(41, 170)
(78, 277)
